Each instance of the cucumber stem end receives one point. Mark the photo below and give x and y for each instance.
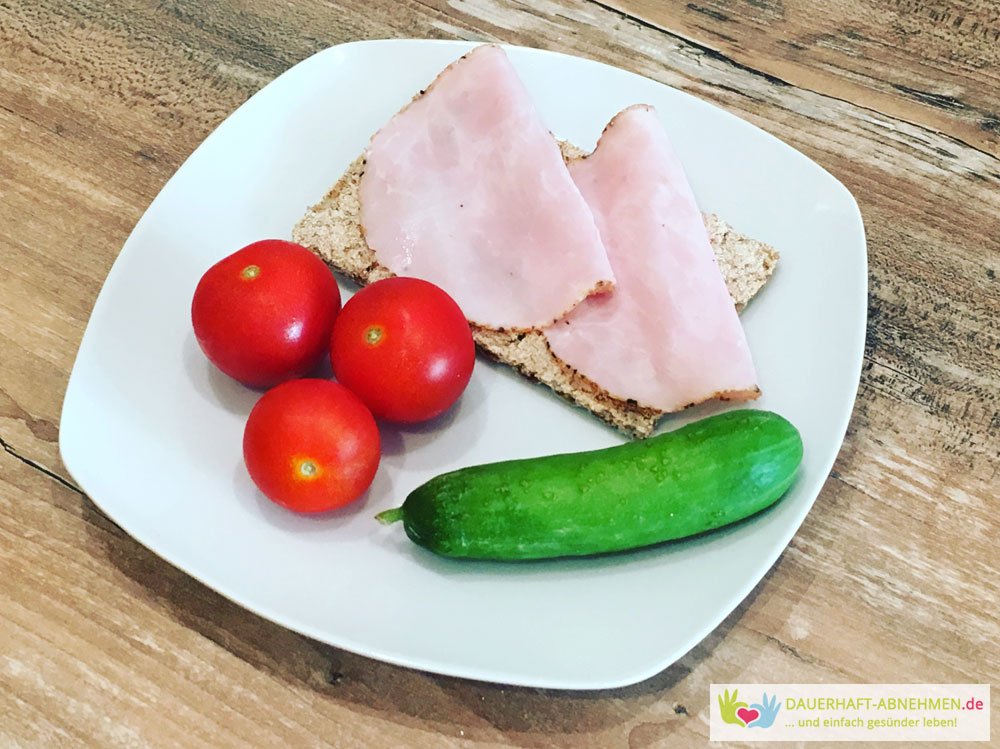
(390, 516)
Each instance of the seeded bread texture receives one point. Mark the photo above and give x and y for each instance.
(332, 229)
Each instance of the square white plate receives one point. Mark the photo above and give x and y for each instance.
(153, 434)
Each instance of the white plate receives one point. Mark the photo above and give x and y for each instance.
(153, 434)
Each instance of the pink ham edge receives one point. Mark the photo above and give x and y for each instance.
(466, 188)
(668, 336)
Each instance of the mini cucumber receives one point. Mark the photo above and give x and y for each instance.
(702, 476)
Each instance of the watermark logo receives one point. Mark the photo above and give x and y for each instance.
(849, 712)
(753, 715)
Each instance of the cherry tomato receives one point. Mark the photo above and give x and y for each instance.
(404, 347)
(311, 445)
(264, 314)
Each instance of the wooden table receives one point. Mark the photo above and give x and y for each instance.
(892, 578)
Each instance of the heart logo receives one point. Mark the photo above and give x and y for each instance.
(748, 714)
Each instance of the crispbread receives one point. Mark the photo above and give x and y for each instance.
(332, 229)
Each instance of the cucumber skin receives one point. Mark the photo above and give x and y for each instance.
(702, 476)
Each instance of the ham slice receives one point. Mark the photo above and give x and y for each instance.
(466, 188)
(668, 336)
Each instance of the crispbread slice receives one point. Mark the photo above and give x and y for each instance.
(332, 229)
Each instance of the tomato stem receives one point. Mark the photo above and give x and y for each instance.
(250, 272)
(390, 516)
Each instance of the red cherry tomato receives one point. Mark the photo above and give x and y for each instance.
(404, 347)
(311, 445)
(264, 314)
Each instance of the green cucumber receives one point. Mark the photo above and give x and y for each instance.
(702, 476)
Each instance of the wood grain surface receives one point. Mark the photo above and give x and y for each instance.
(935, 64)
(892, 578)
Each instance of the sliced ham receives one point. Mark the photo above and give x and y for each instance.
(668, 336)
(466, 188)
